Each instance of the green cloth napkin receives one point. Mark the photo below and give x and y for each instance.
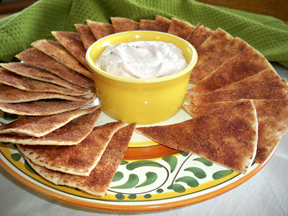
(266, 34)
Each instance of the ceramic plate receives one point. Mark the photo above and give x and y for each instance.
(150, 177)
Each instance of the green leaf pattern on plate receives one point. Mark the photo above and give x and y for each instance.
(190, 181)
(120, 196)
(221, 174)
(184, 154)
(16, 156)
(172, 161)
(132, 196)
(151, 177)
(147, 196)
(160, 190)
(204, 161)
(123, 162)
(130, 183)
(198, 172)
(142, 163)
(145, 177)
(117, 176)
(177, 188)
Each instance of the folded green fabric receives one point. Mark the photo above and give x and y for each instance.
(266, 34)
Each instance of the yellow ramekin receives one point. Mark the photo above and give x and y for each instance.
(144, 101)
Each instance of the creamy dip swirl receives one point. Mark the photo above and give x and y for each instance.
(142, 59)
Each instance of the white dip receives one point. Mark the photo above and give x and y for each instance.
(142, 59)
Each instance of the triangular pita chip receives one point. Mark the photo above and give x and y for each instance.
(246, 63)
(264, 85)
(73, 43)
(36, 73)
(58, 52)
(39, 59)
(199, 35)
(233, 48)
(272, 122)
(122, 24)
(38, 126)
(100, 29)
(78, 159)
(162, 24)
(147, 25)
(225, 136)
(44, 107)
(86, 35)
(9, 94)
(101, 176)
(70, 134)
(180, 28)
(212, 45)
(28, 84)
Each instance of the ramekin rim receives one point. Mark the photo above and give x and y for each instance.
(185, 70)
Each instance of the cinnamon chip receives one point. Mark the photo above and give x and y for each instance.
(100, 29)
(122, 24)
(180, 28)
(227, 136)
(86, 35)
